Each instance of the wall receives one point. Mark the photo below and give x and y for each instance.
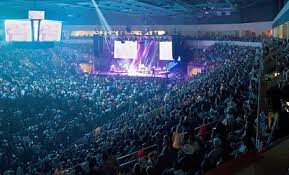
(257, 27)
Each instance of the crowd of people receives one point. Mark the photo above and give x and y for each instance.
(276, 71)
(229, 37)
(213, 55)
(226, 95)
(54, 119)
(45, 108)
(213, 35)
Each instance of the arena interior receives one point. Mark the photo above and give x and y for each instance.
(144, 87)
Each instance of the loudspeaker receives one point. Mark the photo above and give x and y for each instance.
(177, 50)
(98, 45)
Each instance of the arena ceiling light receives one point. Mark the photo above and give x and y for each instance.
(102, 19)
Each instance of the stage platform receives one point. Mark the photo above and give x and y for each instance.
(135, 74)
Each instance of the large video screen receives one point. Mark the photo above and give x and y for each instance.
(125, 50)
(166, 50)
(18, 30)
(50, 30)
(36, 14)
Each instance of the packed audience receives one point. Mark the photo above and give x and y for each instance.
(226, 95)
(44, 108)
(49, 112)
(276, 72)
(213, 55)
(216, 36)
(229, 37)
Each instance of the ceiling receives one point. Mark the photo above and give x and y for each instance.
(83, 11)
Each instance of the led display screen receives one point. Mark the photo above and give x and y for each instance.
(50, 30)
(36, 14)
(125, 50)
(18, 30)
(166, 51)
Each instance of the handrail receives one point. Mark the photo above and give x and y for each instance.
(208, 124)
(259, 98)
(128, 163)
(127, 155)
(154, 111)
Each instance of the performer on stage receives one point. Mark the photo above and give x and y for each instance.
(153, 72)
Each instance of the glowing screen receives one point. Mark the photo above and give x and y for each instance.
(36, 14)
(18, 30)
(50, 30)
(166, 50)
(126, 50)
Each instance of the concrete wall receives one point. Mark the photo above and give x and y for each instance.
(257, 27)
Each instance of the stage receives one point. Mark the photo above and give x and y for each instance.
(135, 74)
(141, 71)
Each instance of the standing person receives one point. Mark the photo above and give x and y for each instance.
(178, 138)
(110, 164)
(154, 72)
(203, 131)
(187, 159)
(19, 171)
(59, 170)
(216, 154)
